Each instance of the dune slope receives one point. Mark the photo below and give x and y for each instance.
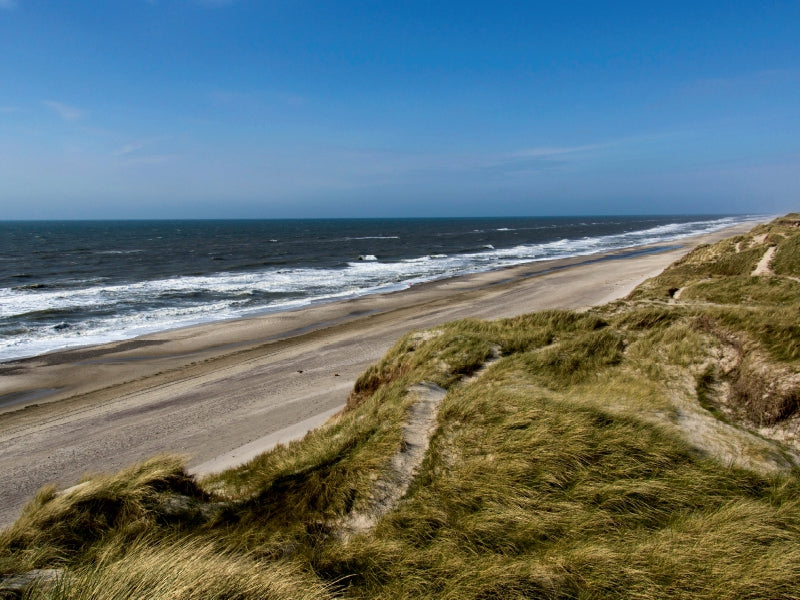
(642, 449)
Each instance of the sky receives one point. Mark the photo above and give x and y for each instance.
(294, 108)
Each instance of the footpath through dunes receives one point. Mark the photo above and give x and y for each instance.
(392, 485)
(557, 454)
(222, 393)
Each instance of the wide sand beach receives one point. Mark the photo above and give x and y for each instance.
(219, 394)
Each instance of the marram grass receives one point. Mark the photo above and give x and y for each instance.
(586, 460)
(180, 569)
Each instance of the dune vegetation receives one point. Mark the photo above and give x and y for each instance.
(642, 449)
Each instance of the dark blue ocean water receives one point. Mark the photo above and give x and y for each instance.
(72, 283)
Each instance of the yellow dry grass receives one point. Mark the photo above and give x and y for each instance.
(620, 452)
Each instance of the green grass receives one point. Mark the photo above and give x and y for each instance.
(57, 529)
(574, 502)
(183, 569)
(787, 257)
(562, 471)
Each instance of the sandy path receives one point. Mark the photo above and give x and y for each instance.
(764, 265)
(394, 483)
(221, 393)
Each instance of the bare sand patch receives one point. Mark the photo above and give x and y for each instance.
(392, 485)
(764, 265)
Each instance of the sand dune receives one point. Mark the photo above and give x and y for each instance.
(221, 393)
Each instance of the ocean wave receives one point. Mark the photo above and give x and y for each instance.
(25, 299)
(37, 318)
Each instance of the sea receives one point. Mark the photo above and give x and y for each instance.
(73, 283)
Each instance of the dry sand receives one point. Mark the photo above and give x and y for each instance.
(221, 393)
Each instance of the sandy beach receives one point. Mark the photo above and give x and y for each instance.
(221, 393)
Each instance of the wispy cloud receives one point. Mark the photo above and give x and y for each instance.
(546, 151)
(387, 166)
(523, 162)
(148, 151)
(128, 149)
(745, 82)
(513, 166)
(65, 111)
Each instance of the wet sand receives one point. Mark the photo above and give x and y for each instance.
(221, 393)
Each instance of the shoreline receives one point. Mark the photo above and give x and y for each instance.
(140, 339)
(126, 327)
(223, 392)
(202, 338)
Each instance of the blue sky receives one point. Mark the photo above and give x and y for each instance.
(293, 108)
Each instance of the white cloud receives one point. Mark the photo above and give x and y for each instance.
(66, 112)
(744, 83)
(143, 152)
(127, 149)
(545, 151)
(384, 166)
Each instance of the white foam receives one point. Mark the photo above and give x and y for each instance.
(125, 311)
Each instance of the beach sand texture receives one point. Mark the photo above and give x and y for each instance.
(219, 394)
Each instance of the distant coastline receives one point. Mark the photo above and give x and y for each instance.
(76, 284)
(235, 387)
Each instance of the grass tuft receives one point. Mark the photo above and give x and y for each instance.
(181, 570)
(584, 462)
(55, 528)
